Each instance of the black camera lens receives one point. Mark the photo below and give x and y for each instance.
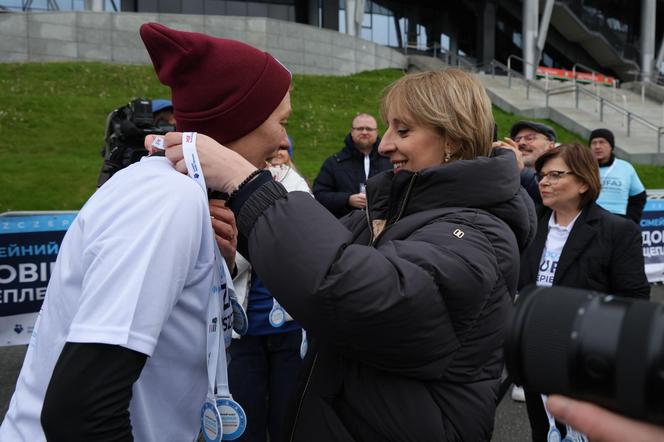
(594, 347)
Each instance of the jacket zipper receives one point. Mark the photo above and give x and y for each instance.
(366, 211)
(401, 210)
(304, 392)
(371, 243)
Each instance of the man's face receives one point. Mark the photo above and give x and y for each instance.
(259, 145)
(364, 131)
(532, 145)
(164, 117)
(601, 149)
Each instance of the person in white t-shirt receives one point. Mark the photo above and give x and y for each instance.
(120, 291)
(578, 244)
(121, 350)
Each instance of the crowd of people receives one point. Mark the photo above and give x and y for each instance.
(372, 308)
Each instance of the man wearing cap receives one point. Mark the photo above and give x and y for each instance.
(622, 191)
(162, 112)
(123, 346)
(529, 140)
(340, 183)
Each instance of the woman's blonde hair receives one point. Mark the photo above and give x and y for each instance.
(452, 102)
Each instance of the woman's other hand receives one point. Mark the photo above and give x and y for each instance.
(225, 230)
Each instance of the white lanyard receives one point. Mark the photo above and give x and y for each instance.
(216, 347)
(191, 159)
(553, 434)
(221, 416)
(214, 353)
(221, 367)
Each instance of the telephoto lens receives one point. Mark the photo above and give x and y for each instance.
(594, 347)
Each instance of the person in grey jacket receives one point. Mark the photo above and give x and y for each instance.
(405, 302)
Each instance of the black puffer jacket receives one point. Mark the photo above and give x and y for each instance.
(341, 174)
(409, 329)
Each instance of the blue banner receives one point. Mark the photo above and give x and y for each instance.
(29, 245)
(652, 231)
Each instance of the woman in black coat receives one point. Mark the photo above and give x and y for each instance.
(578, 244)
(406, 302)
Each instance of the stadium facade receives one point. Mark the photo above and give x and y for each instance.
(623, 38)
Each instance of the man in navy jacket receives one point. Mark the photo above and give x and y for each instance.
(339, 185)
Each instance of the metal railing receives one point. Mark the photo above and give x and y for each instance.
(453, 59)
(529, 83)
(639, 78)
(577, 89)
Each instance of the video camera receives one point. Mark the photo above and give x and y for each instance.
(594, 347)
(126, 129)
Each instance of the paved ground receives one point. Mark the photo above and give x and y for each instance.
(511, 419)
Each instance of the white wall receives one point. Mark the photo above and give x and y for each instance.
(113, 37)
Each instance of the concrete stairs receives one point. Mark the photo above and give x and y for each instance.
(639, 147)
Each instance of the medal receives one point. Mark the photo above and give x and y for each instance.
(277, 315)
(554, 435)
(233, 418)
(211, 425)
(240, 320)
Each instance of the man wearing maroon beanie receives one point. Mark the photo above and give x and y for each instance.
(222, 88)
(119, 352)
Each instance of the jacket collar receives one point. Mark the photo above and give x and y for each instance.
(582, 234)
(350, 151)
(609, 162)
(488, 183)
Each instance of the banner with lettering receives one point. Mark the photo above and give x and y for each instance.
(652, 232)
(29, 244)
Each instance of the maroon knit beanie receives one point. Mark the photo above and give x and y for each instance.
(221, 88)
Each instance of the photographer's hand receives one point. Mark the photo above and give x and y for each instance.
(602, 425)
(225, 231)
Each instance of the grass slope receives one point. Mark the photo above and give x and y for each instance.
(52, 118)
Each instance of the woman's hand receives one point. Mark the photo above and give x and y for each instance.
(225, 231)
(223, 169)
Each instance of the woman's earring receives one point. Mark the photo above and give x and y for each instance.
(447, 157)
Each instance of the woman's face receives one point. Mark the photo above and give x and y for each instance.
(279, 158)
(411, 146)
(560, 190)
